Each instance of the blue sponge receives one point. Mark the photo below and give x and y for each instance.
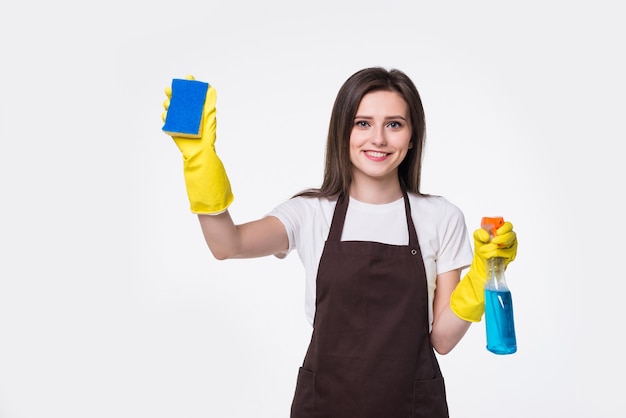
(184, 115)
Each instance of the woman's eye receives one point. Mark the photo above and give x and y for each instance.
(362, 124)
(395, 125)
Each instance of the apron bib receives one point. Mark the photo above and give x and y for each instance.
(370, 354)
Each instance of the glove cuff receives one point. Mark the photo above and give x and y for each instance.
(208, 186)
(202, 208)
(468, 299)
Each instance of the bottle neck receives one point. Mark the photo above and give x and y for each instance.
(495, 274)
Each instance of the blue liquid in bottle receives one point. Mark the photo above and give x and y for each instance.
(499, 321)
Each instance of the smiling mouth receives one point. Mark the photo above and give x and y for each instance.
(377, 155)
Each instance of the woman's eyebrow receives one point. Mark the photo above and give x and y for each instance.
(386, 117)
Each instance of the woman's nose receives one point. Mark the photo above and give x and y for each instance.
(378, 138)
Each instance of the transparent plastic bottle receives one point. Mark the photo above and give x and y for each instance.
(499, 322)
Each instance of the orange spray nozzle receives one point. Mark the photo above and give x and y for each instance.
(491, 224)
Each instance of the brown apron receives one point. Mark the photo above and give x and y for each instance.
(370, 354)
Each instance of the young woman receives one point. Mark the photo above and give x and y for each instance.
(383, 261)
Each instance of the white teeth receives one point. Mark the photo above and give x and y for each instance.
(376, 154)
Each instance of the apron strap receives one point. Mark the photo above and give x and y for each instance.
(409, 220)
(341, 208)
(336, 226)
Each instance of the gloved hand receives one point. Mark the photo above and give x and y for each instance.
(468, 299)
(208, 187)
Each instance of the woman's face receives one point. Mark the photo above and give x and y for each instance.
(380, 137)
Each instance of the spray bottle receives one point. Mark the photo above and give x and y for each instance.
(498, 301)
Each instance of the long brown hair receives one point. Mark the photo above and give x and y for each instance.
(338, 167)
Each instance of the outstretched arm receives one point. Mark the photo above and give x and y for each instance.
(190, 119)
(258, 238)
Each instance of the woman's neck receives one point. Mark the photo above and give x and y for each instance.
(376, 192)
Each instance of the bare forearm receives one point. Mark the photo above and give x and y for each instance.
(220, 234)
(447, 331)
(258, 238)
(448, 328)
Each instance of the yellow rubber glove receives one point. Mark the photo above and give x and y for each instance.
(468, 299)
(208, 187)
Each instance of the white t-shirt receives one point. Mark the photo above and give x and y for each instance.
(441, 231)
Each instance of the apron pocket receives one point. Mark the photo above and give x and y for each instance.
(429, 399)
(303, 405)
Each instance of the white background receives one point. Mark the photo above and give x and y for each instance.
(110, 303)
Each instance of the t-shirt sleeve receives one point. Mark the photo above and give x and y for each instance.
(455, 251)
(290, 213)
